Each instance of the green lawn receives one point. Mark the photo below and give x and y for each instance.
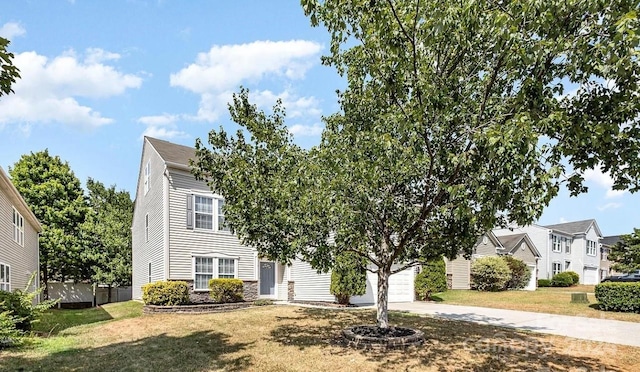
(288, 338)
(543, 300)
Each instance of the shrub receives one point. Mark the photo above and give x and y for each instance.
(563, 279)
(348, 277)
(20, 307)
(520, 273)
(574, 276)
(544, 283)
(9, 334)
(226, 290)
(263, 302)
(614, 296)
(432, 279)
(490, 273)
(166, 293)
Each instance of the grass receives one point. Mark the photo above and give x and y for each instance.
(288, 338)
(543, 300)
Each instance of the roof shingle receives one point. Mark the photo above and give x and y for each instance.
(172, 152)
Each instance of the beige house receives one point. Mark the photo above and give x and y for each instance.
(19, 229)
(516, 245)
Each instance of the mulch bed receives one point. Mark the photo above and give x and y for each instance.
(372, 337)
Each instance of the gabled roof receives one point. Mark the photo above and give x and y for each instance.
(576, 227)
(16, 199)
(492, 237)
(511, 243)
(172, 153)
(611, 240)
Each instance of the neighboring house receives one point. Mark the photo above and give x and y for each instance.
(19, 229)
(605, 265)
(516, 245)
(571, 246)
(179, 233)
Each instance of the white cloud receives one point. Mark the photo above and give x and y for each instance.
(563, 220)
(224, 67)
(158, 120)
(10, 30)
(603, 208)
(49, 89)
(295, 106)
(306, 130)
(163, 133)
(603, 180)
(162, 126)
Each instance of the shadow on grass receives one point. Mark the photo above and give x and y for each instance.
(54, 321)
(449, 345)
(436, 298)
(199, 351)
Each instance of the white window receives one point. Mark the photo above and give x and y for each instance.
(18, 227)
(567, 245)
(567, 265)
(206, 268)
(146, 227)
(592, 248)
(147, 171)
(149, 274)
(556, 244)
(209, 214)
(5, 278)
(556, 268)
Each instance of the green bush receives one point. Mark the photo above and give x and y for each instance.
(544, 283)
(614, 296)
(9, 334)
(520, 273)
(490, 273)
(166, 293)
(574, 276)
(263, 302)
(226, 290)
(20, 307)
(432, 279)
(564, 279)
(348, 277)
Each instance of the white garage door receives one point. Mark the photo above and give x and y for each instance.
(401, 286)
(590, 276)
(533, 280)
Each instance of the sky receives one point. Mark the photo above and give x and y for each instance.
(97, 76)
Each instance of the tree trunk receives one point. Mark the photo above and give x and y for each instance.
(383, 295)
(109, 294)
(45, 282)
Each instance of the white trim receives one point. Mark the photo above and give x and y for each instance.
(215, 262)
(165, 221)
(146, 179)
(146, 228)
(6, 284)
(17, 223)
(215, 199)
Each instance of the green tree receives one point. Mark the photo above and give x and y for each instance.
(520, 273)
(348, 277)
(432, 279)
(53, 193)
(8, 72)
(107, 235)
(454, 120)
(626, 253)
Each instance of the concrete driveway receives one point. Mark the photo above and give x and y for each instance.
(604, 330)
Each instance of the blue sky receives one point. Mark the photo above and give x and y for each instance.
(98, 75)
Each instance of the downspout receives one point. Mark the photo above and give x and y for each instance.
(549, 237)
(165, 220)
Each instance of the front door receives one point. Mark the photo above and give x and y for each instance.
(267, 279)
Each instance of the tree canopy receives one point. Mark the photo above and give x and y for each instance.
(457, 117)
(626, 253)
(8, 72)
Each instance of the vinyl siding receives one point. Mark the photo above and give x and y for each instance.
(22, 261)
(541, 238)
(309, 285)
(152, 251)
(460, 270)
(185, 243)
(525, 254)
(282, 282)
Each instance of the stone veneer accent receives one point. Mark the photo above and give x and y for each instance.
(383, 343)
(201, 308)
(249, 287)
(290, 291)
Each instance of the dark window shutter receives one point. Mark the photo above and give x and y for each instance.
(190, 211)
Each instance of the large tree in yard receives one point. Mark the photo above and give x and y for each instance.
(8, 72)
(457, 117)
(625, 255)
(55, 196)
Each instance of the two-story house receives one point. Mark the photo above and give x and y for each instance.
(179, 233)
(571, 246)
(19, 229)
(516, 245)
(605, 265)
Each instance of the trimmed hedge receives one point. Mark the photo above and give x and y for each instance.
(564, 279)
(432, 279)
(544, 283)
(490, 273)
(166, 293)
(226, 290)
(615, 296)
(575, 276)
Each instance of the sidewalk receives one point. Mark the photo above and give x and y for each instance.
(604, 330)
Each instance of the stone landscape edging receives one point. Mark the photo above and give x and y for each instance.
(196, 309)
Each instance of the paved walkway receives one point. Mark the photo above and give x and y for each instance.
(604, 330)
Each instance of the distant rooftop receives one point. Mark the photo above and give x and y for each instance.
(172, 152)
(610, 240)
(576, 227)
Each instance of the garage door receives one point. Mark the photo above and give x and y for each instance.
(590, 276)
(401, 286)
(533, 280)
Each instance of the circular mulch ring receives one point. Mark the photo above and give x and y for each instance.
(372, 337)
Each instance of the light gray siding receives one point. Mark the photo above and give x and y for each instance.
(22, 261)
(309, 285)
(152, 251)
(525, 254)
(185, 243)
(541, 238)
(460, 270)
